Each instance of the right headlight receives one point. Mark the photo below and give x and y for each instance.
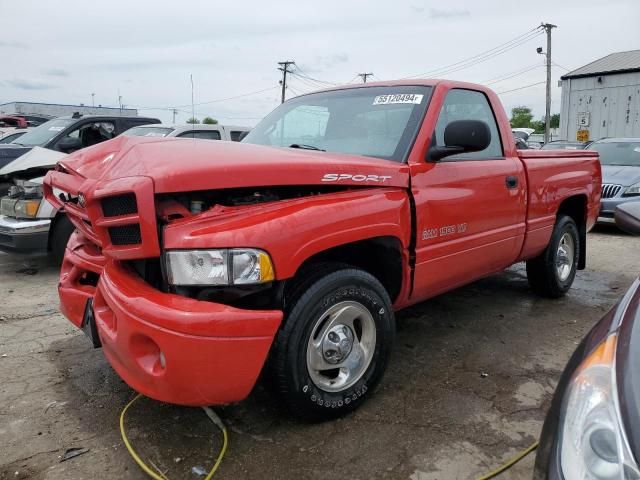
(632, 191)
(235, 266)
(594, 445)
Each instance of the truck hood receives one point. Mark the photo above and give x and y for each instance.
(620, 174)
(9, 152)
(182, 165)
(37, 157)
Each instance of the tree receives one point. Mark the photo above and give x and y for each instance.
(209, 121)
(193, 120)
(521, 117)
(555, 120)
(537, 125)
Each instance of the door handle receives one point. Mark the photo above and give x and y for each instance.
(511, 181)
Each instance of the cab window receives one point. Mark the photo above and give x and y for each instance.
(204, 134)
(463, 104)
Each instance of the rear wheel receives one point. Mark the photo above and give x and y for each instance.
(551, 274)
(334, 345)
(61, 231)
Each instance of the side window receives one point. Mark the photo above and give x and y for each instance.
(204, 134)
(90, 134)
(469, 105)
(235, 135)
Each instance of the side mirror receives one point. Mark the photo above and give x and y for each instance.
(462, 136)
(627, 216)
(69, 144)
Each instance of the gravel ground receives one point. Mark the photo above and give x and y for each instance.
(435, 415)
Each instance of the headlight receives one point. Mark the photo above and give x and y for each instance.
(237, 266)
(593, 441)
(20, 208)
(632, 191)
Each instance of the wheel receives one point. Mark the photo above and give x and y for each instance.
(61, 230)
(551, 274)
(335, 343)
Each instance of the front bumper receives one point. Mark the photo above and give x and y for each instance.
(608, 208)
(24, 236)
(173, 348)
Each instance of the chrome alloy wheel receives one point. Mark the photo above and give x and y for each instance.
(564, 256)
(341, 346)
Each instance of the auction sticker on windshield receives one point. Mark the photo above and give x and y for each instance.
(414, 98)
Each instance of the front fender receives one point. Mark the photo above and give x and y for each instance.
(292, 231)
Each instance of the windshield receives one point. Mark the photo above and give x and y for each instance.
(562, 146)
(618, 153)
(373, 121)
(45, 132)
(148, 132)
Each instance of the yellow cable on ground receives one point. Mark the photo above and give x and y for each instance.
(510, 463)
(157, 474)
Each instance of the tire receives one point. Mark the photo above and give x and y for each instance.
(314, 335)
(551, 274)
(61, 230)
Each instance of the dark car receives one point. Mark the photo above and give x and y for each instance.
(592, 430)
(68, 134)
(564, 145)
(620, 160)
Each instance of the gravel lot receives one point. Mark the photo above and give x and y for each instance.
(433, 417)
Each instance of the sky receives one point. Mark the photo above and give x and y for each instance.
(146, 51)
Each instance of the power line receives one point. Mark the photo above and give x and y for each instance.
(522, 88)
(507, 76)
(483, 56)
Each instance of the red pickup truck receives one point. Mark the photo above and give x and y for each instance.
(196, 265)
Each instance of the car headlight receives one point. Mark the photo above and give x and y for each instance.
(236, 266)
(593, 441)
(632, 191)
(20, 208)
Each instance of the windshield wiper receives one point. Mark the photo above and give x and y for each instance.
(306, 147)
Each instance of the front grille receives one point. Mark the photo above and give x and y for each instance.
(609, 190)
(119, 205)
(125, 235)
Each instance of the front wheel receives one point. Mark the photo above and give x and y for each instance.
(551, 274)
(335, 344)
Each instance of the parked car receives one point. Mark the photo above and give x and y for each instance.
(193, 262)
(68, 134)
(592, 430)
(29, 224)
(620, 159)
(564, 145)
(207, 132)
(11, 136)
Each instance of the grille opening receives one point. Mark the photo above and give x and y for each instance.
(125, 234)
(119, 205)
(89, 278)
(610, 190)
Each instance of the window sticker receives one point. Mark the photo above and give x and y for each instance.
(414, 98)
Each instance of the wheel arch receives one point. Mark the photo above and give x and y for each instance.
(384, 257)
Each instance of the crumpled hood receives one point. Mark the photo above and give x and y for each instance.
(181, 165)
(37, 157)
(9, 152)
(620, 175)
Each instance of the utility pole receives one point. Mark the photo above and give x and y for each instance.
(174, 111)
(547, 117)
(93, 96)
(364, 76)
(284, 68)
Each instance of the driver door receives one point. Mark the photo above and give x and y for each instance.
(470, 208)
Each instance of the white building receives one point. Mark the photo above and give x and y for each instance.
(50, 110)
(602, 99)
